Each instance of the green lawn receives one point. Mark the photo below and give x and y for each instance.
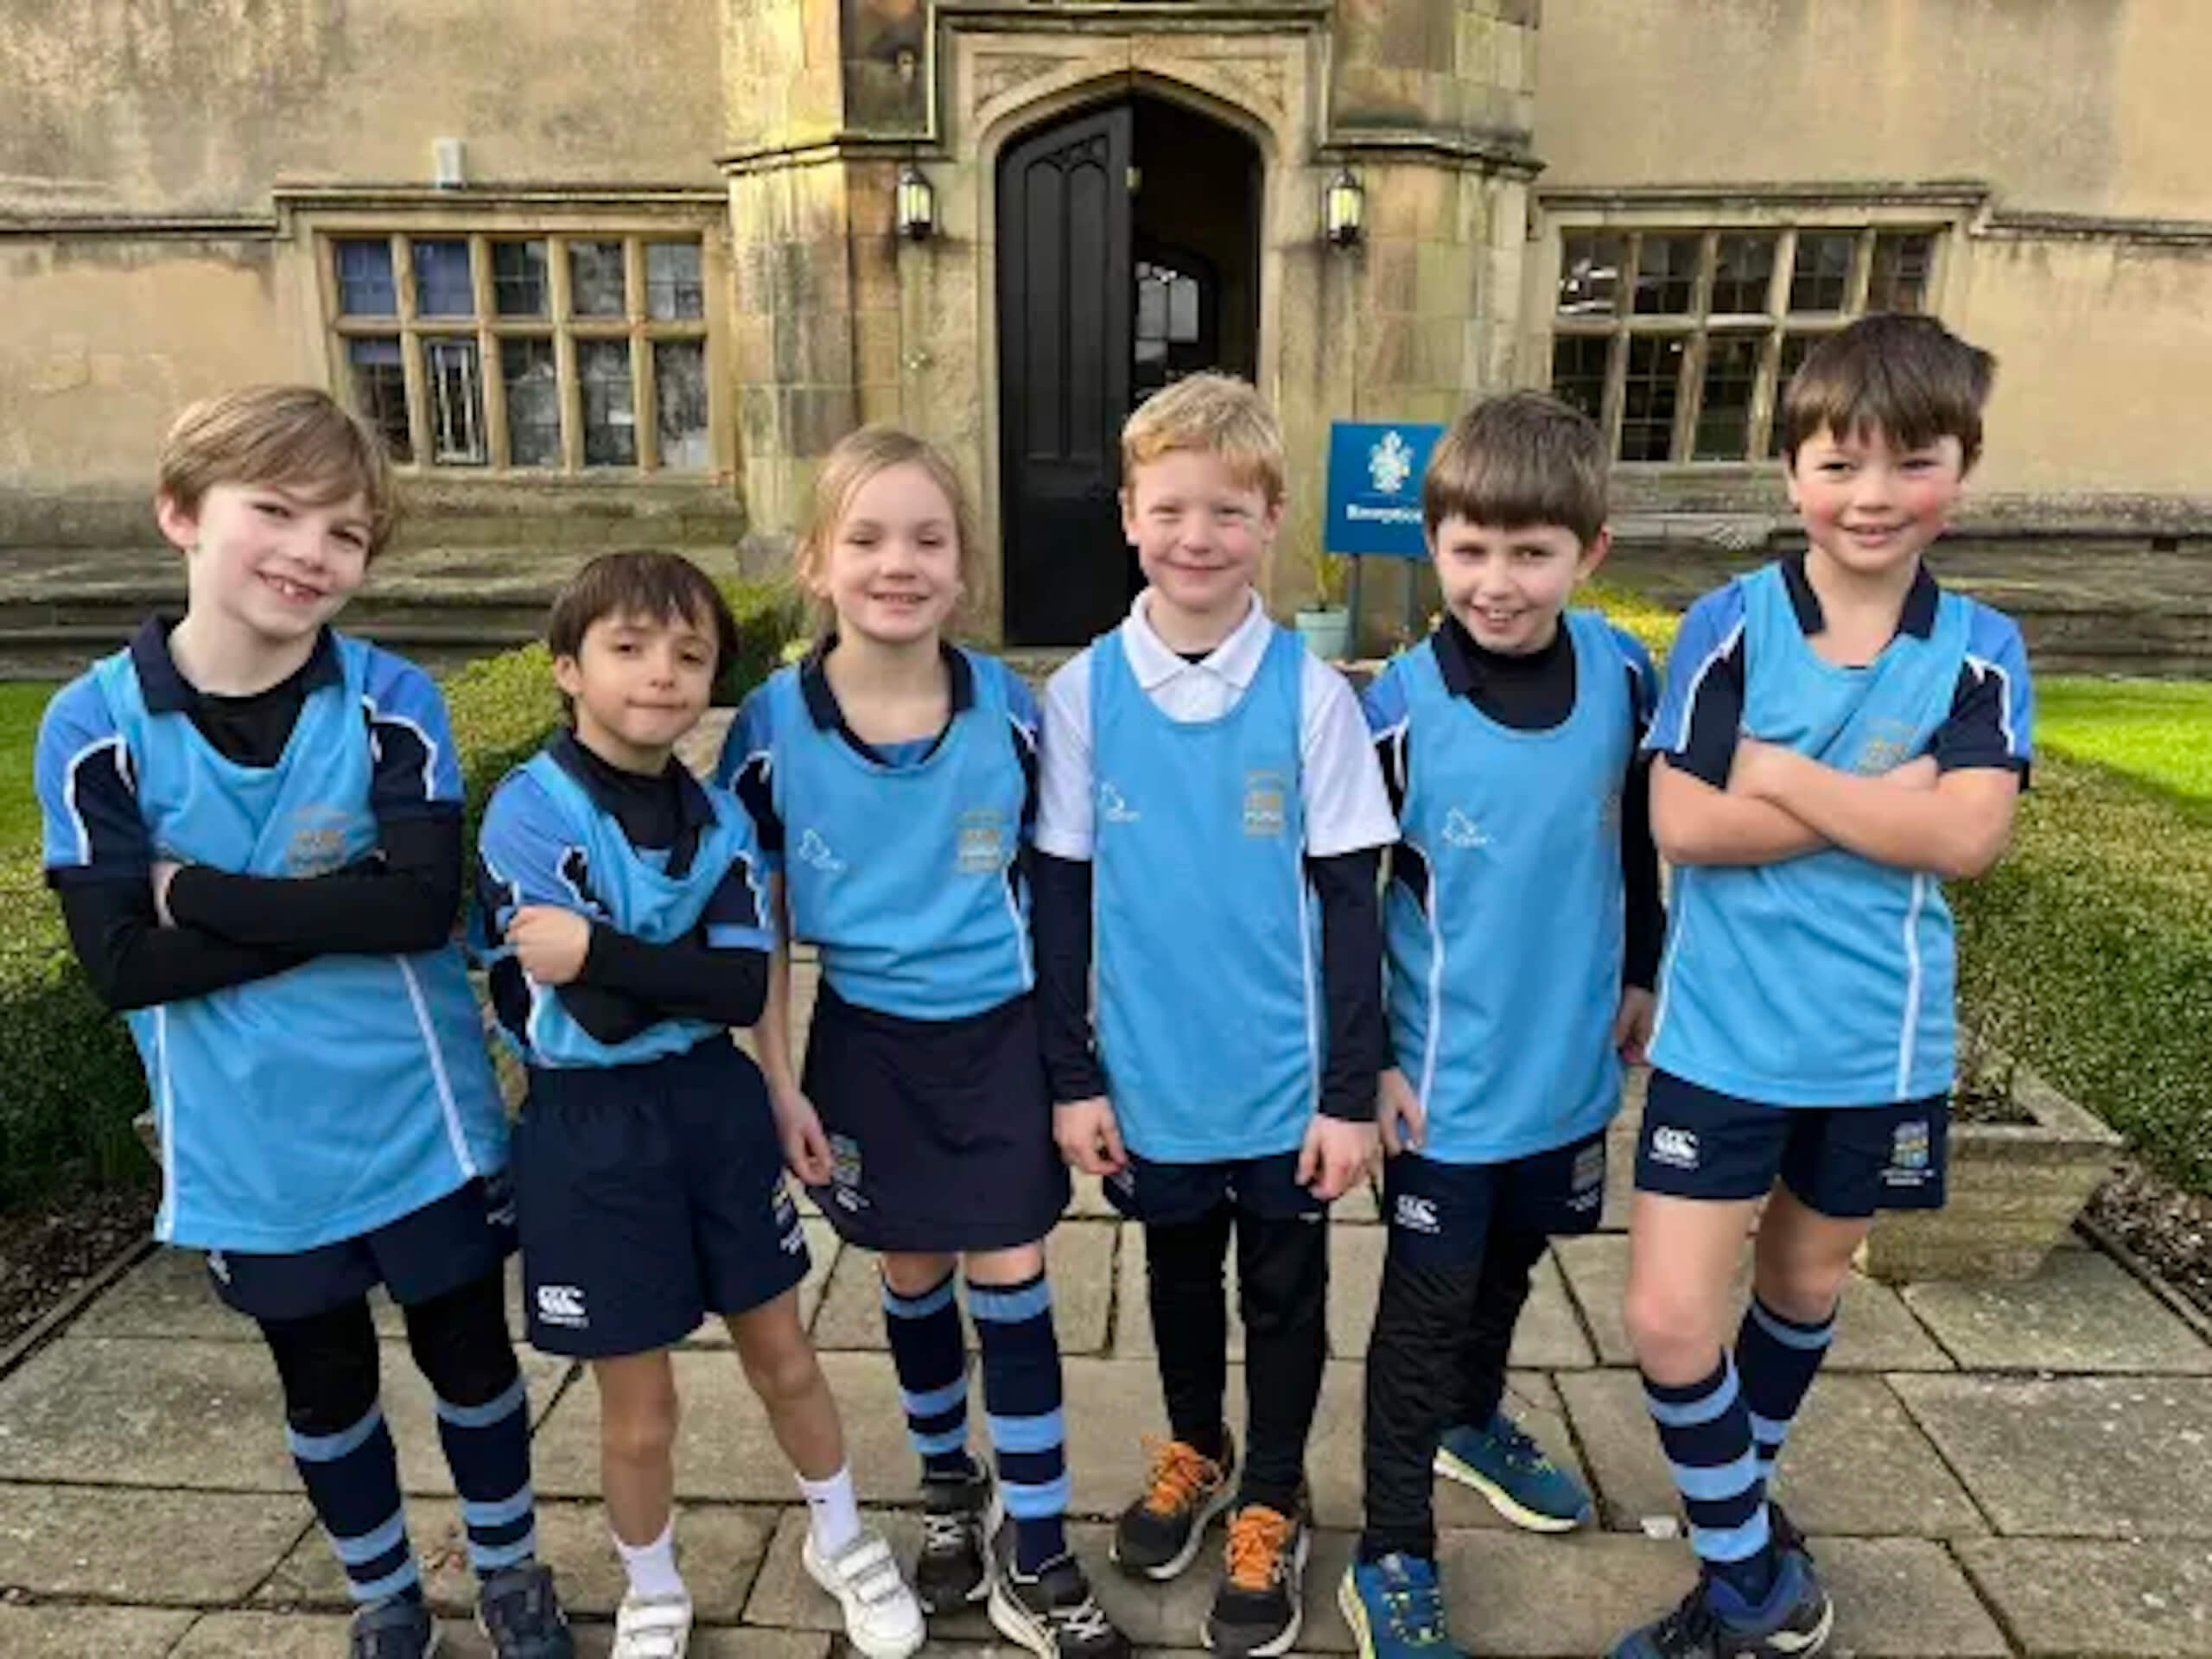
(2157, 731)
(21, 704)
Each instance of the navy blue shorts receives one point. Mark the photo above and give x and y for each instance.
(940, 1130)
(650, 1196)
(1842, 1162)
(1165, 1195)
(1440, 1214)
(449, 1242)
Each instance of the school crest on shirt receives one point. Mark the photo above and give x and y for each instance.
(318, 841)
(980, 845)
(1887, 745)
(1267, 795)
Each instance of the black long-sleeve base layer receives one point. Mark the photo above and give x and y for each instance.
(1352, 978)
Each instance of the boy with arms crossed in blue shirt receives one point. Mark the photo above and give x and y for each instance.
(1215, 784)
(631, 903)
(1839, 735)
(254, 825)
(1522, 927)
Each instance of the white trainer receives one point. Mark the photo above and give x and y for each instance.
(652, 1627)
(882, 1618)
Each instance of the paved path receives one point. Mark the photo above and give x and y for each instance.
(1984, 1470)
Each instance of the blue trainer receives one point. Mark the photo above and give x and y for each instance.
(1505, 1465)
(1395, 1608)
(1713, 1622)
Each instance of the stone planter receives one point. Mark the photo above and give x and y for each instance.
(2015, 1189)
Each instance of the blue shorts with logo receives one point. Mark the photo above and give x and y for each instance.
(449, 1242)
(1166, 1195)
(1440, 1214)
(649, 1197)
(1842, 1162)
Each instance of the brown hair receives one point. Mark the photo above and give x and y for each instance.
(1909, 377)
(859, 456)
(296, 439)
(641, 583)
(1218, 414)
(1518, 460)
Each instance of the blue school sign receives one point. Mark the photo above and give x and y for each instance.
(1375, 472)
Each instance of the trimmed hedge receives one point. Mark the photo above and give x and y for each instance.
(70, 1081)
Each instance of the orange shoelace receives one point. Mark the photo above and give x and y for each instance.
(1179, 1474)
(1257, 1538)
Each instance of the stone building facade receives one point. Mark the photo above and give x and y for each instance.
(633, 265)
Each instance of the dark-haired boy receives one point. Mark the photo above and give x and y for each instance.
(1839, 734)
(624, 908)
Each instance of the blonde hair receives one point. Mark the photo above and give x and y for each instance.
(859, 456)
(1217, 414)
(293, 438)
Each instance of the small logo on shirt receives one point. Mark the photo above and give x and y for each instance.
(1460, 830)
(1887, 745)
(1416, 1214)
(1265, 814)
(1912, 1154)
(980, 848)
(1674, 1147)
(814, 852)
(318, 842)
(561, 1305)
(1112, 808)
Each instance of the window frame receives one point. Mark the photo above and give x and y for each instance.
(483, 227)
(1559, 222)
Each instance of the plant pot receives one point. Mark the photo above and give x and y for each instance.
(2014, 1190)
(1327, 631)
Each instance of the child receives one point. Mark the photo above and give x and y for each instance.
(1523, 926)
(254, 825)
(1221, 783)
(648, 1179)
(892, 776)
(1805, 1006)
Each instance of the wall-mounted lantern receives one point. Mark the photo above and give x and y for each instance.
(1344, 207)
(916, 205)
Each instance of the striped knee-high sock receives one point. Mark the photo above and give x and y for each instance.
(931, 1360)
(1021, 1402)
(1705, 1429)
(488, 1448)
(353, 1480)
(1778, 1358)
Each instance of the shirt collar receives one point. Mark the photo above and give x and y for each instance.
(1236, 659)
(1466, 667)
(167, 692)
(821, 701)
(601, 780)
(1917, 618)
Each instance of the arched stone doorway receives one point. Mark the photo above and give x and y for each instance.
(1128, 256)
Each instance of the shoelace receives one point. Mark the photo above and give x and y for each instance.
(1519, 1446)
(1180, 1473)
(943, 1531)
(1416, 1612)
(1086, 1621)
(1257, 1541)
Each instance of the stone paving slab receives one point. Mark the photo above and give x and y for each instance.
(297, 1635)
(2082, 1456)
(2075, 1597)
(196, 1415)
(95, 1632)
(1078, 1254)
(2082, 1312)
(120, 1544)
(1876, 1331)
(1856, 1463)
(721, 1548)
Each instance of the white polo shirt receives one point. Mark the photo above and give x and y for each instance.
(1340, 784)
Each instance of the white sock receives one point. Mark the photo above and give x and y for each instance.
(833, 1510)
(651, 1567)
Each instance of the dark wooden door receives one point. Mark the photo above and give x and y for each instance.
(1064, 293)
